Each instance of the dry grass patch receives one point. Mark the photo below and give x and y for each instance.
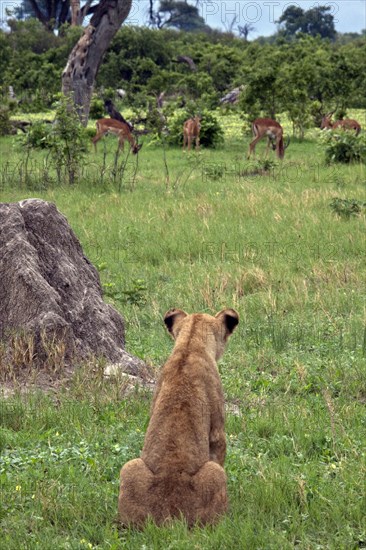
(250, 281)
(204, 210)
(336, 275)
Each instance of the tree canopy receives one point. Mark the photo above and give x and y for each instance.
(178, 14)
(52, 13)
(290, 76)
(315, 21)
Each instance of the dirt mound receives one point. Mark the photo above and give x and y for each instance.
(51, 306)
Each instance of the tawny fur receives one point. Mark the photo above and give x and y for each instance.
(267, 127)
(344, 124)
(119, 129)
(180, 472)
(191, 130)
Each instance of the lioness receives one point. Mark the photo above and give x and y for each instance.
(180, 472)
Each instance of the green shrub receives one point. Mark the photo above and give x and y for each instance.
(90, 132)
(37, 136)
(347, 207)
(66, 139)
(97, 109)
(5, 126)
(68, 142)
(6, 109)
(211, 134)
(344, 146)
(36, 102)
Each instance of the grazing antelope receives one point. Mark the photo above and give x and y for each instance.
(191, 129)
(263, 127)
(113, 113)
(119, 129)
(345, 124)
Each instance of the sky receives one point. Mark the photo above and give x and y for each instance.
(349, 15)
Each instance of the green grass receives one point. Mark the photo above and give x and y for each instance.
(295, 371)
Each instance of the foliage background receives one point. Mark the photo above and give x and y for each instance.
(276, 77)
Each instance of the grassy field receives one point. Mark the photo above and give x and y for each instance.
(217, 234)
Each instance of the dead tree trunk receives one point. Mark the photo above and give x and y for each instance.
(82, 66)
(75, 13)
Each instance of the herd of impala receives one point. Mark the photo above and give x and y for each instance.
(261, 128)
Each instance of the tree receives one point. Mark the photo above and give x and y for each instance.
(54, 13)
(262, 95)
(245, 30)
(292, 19)
(83, 64)
(316, 21)
(222, 64)
(292, 82)
(177, 14)
(6, 54)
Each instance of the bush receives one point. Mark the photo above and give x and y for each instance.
(37, 136)
(90, 132)
(97, 109)
(68, 143)
(211, 134)
(344, 146)
(347, 207)
(5, 111)
(5, 126)
(66, 140)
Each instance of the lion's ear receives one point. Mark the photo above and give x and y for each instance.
(229, 318)
(171, 318)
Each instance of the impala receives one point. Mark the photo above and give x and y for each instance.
(119, 129)
(113, 113)
(191, 129)
(345, 124)
(267, 127)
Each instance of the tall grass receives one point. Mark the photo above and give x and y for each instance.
(222, 234)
